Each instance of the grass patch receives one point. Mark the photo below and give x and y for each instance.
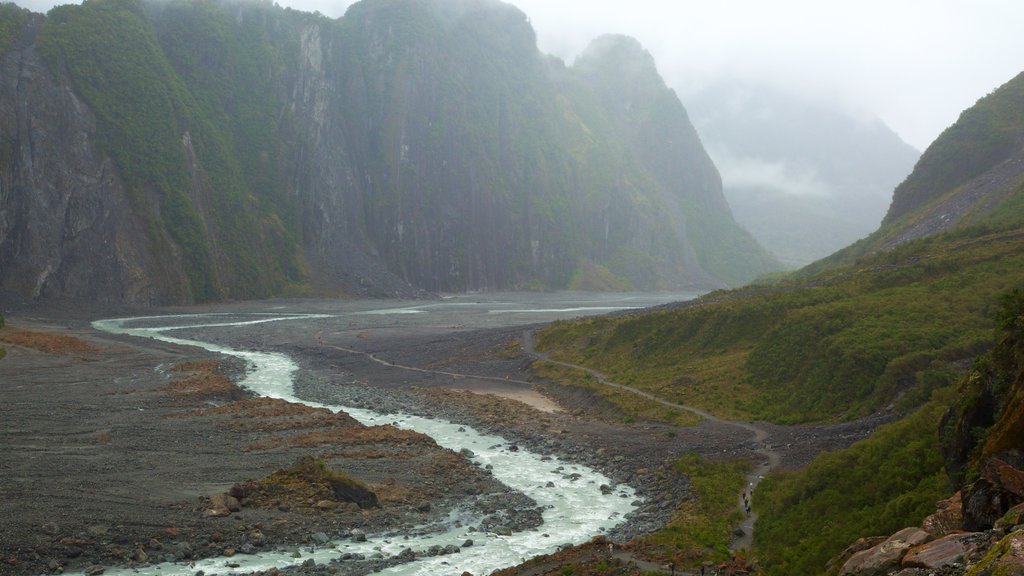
(702, 526)
(632, 406)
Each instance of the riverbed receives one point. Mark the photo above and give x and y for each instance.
(575, 505)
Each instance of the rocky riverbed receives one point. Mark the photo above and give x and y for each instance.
(119, 451)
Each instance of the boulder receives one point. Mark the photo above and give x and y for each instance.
(942, 552)
(879, 560)
(1000, 488)
(948, 519)
(1013, 517)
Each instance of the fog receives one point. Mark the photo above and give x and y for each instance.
(916, 64)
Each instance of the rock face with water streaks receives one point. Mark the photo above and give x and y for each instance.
(193, 151)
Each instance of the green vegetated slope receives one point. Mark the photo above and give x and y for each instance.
(894, 478)
(169, 150)
(12, 20)
(837, 346)
(936, 196)
(876, 487)
(892, 330)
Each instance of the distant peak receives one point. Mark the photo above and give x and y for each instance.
(618, 53)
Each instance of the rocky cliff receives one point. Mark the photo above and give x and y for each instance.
(194, 151)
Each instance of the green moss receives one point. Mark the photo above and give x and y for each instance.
(990, 564)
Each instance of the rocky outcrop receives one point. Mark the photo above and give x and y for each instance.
(980, 535)
(1000, 488)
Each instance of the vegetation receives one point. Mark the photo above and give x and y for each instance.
(983, 136)
(839, 345)
(155, 129)
(877, 486)
(632, 406)
(702, 526)
(12, 20)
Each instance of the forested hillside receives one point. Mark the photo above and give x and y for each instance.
(201, 150)
(925, 330)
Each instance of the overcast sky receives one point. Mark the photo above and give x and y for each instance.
(915, 63)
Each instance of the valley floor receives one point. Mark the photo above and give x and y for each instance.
(111, 453)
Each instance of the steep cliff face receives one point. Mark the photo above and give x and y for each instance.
(66, 225)
(238, 150)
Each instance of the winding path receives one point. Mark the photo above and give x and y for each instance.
(770, 461)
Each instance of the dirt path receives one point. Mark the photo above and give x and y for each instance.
(771, 458)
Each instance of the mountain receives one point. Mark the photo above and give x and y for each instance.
(198, 150)
(805, 177)
(919, 324)
(967, 181)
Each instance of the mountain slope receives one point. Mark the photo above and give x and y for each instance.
(224, 150)
(971, 176)
(927, 332)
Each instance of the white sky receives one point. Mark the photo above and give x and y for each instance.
(915, 63)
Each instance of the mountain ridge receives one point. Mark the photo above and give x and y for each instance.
(262, 151)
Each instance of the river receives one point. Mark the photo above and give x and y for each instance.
(575, 510)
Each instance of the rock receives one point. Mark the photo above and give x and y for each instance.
(1004, 476)
(357, 535)
(1006, 558)
(1013, 517)
(941, 552)
(247, 548)
(1000, 488)
(739, 533)
(228, 552)
(140, 555)
(407, 554)
(948, 519)
(882, 558)
(225, 501)
(321, 538)
(256, 538)
(326, 505)
(467, 543)
(94, 570)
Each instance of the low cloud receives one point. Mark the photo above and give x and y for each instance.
(751, 172)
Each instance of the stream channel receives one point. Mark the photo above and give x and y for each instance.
(574, 511)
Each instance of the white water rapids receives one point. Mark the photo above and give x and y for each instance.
(574, 510)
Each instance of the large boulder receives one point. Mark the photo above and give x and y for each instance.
(1000, 488)
(881, 559)
(944, 551)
